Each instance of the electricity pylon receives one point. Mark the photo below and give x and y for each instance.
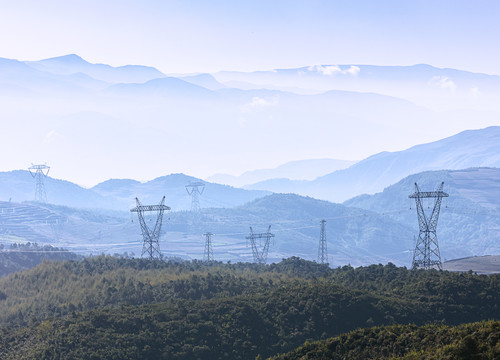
(426, 253)
(39, 172)
(260, 257)
(208, 254)
(151, 245)
(322, 250)
(193, 189)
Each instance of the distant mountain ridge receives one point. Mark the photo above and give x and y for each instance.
(72, 64)
(294, 170)
(469, 217)
(77, 103)
(119, 194)
(421, 83)
(472, 148)
(364, 230)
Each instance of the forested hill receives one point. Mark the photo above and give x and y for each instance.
(24, 256)
(470, 341)
(106, 307)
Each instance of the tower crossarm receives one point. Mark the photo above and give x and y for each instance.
(439, 193)
(150, 208)
(429, 194)
(39, 169)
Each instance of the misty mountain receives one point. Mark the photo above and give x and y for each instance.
(205, 80)
(293, 170)
(123, 192)
(163, 87)
(120, 194)
(169, 113)
(19, 185)
(364, 230)
(354, 236)
(440, 88)
(469, 218)
(73, 64)
(27, 81)
(473, 148)
(221, 130)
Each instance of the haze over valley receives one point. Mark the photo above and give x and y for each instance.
(141, 119)
(249, 180)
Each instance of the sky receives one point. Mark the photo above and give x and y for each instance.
(205, 36)
(185, 37)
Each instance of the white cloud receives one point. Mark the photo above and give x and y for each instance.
(353, 70)
(443, 82)
(331, 70)
(258, 103)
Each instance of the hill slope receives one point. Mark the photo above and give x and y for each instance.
(468, 224)
(472, 148)
(294, 170)
(137, 309)
(25, 256)
(73, 64)
(470, 341)
(488, 264)
(119, 194)
(169, 113)
(366, 229)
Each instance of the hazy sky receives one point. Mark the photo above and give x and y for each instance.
(206, 36)
(203, 36)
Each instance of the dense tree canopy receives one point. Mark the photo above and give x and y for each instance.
(114, 308)
(479, 341)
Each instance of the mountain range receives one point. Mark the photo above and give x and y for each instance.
(131, 120)
(366, 229)
(76, 103)
(437, 88)
(294, 170)
(74, 64)
(120, 194)
(355, 238)
(472, 148)
(469, 218)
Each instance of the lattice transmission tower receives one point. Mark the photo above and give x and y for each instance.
(426, 254)
(208, 254)
(39, 173)
(193, 189)
(322, 250)
(260, 257)
(151, 237)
